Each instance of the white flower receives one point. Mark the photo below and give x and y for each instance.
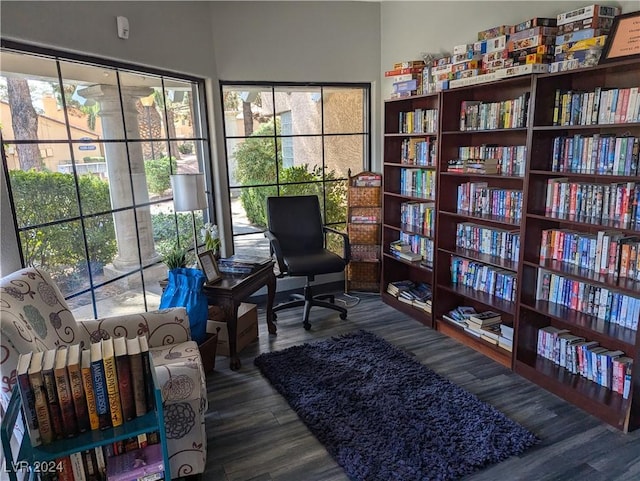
(210, 235)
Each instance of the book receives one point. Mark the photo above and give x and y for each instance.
(485, 318)
(77, 388)
(40, 398)
(111, 378)
(89, 393)
(137, 376)
(77, 467)
(125, 383)
(148, 375)
(100, 386)
(27, 397)
(49, 380)
(65, 397)
(144, 464)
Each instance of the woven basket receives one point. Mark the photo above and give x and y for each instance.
(364, 234)
(365, 252)
(364, 276)
(368, 212)
(364, 196)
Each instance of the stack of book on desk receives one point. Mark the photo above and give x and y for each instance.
(242, 264)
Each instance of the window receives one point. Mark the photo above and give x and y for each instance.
(288, 139)
(89, 148)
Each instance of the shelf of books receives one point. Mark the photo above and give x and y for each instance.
(364, 217)
(88, 413)
(483, 153)
(409, 195)
(580, 298)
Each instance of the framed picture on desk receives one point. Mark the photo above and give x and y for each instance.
(209, 266)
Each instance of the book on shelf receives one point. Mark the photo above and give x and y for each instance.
(65, 395)
(485, 318)
(137, 376)
(141, 464)
(125, 382)
(27, 397)
(396, 287)
(77, 388)
(111, 378)
(40, 398)
(407, 256)
(148, 376)
(49, 380)
(87, 384)
(77, 467)
(100, 386)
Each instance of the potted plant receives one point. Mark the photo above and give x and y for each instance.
(211, 238)
(175, 257)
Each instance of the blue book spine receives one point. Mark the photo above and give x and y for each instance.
(100, 388)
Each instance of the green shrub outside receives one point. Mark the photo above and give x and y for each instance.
(158, 173)
(41, 197)
(256, 166)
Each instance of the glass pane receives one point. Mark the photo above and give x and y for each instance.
(178, 99)
(92, 101)
(82, 306)
(344, 152)
(192, 156)
(344, 110)
(56, 199)
(59, 250)
(93, 181)
(334, 242)
(336, 201)
(252, 244)
(298, 110)
(121, 297)
(305, 164)
(152, 277)
(248, 110)
(101, 242)
(158, 172)
(29, 86)
(143, 103)
(248, 208)
(251, 161)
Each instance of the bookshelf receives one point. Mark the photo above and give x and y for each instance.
(577, 216)
(364, 205)
(409, 193)
(43, 454)
(492, 221)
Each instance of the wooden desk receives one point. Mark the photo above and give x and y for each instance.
(231, 291)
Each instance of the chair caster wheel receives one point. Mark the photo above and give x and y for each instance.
(343, 316)
(275, 317)
(306, 326)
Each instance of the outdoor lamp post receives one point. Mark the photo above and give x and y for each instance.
(189, 196)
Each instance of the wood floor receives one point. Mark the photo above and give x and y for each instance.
(253, 435)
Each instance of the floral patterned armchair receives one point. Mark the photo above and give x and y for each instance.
(34, 316)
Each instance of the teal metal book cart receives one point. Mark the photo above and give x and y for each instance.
(35, 460)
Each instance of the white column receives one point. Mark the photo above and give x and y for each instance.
(120, 179)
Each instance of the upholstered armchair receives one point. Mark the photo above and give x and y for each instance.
(34, 317)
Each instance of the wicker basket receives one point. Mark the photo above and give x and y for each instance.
(365, 212)
(364, 196)
(364, 276)
(365, 252)
(364, 233)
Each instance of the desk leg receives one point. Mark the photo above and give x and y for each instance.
(271, 294)
(231, 313)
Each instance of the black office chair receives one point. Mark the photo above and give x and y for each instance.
(298, 240)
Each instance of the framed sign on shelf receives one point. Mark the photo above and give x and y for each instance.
(209, 266)
(623, 42)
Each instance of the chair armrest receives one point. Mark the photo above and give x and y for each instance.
(166, 326)
(346, 246)
(275, 248)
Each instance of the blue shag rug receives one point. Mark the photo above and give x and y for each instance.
(384, 416)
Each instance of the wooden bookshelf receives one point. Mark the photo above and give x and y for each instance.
(410, 151)
(526, 312)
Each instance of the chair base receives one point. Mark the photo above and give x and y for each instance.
(308, 300)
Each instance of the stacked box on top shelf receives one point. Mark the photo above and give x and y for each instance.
(582, 34)
(407, 78)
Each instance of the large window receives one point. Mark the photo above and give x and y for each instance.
(88, 150)
(288, 139)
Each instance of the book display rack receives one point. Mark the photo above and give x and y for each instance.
(60, 455)
(536, 219)
(364, 205)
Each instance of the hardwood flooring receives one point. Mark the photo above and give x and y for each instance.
(253, 435)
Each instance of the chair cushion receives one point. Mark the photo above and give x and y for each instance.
(319, 262)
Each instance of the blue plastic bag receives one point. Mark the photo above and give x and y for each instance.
(185, 290)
